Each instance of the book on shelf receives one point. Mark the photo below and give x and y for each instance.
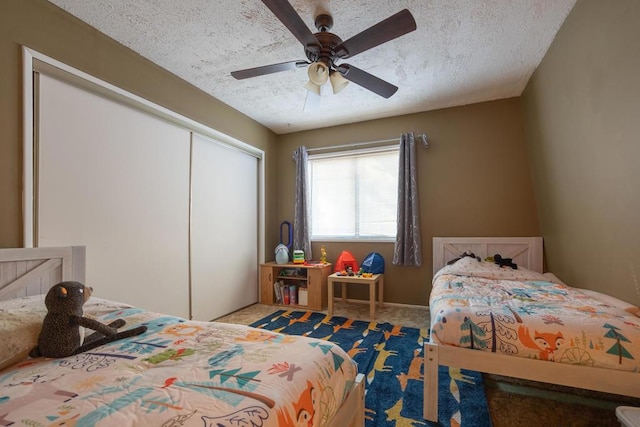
(293, 295)
(277, 288)
(289, 294)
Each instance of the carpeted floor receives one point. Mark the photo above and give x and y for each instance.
(512, 403)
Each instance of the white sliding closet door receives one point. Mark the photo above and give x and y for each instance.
(224, 229)
(116, 180)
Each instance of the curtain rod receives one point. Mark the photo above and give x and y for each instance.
(425, 142)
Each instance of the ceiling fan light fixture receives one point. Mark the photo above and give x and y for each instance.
(337, 81)
(318, 73)
(312, 87)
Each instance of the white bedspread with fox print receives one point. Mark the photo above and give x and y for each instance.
(181, 373)
(521, 313)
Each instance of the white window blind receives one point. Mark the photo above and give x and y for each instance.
(354, 194)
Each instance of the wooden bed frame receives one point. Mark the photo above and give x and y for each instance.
(526, 252)
(32, 271)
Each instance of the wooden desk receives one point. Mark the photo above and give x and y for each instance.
(359, 280)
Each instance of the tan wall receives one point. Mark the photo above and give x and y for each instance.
(582, 117)
(42, 26)
(474, 181)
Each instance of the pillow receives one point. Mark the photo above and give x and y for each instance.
(23, 303)
(468, 266)
(97, 307)
(21, 321)
(19, 330)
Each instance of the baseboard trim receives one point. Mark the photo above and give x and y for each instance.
(393, 304)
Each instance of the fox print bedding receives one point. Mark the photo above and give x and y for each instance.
(478, 305)
(181, 373)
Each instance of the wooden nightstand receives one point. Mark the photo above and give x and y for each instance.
(376, 279)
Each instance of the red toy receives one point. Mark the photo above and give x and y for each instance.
(346, 259)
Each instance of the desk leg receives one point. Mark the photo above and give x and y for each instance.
(330, 297)
(372, 300)
(344, 292)
(381, 292)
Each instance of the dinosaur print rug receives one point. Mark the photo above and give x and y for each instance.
(391, 357)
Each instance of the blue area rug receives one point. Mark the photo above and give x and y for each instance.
(391, 357)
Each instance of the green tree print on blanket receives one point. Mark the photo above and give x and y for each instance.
(475, 331)
(617, 348)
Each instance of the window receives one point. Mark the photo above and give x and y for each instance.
(354, 194)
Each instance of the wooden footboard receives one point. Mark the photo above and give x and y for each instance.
(598, 379)
(32, 271)
(351, 413)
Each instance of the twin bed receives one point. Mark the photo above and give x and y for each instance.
(178, 373)
(524, 324)
(518, 323)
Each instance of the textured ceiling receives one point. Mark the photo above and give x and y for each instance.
(463, 52)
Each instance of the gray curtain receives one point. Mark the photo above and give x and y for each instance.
(408, 249)
(301, 219)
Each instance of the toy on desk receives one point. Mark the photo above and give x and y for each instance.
(346, 259)
(349, 272)
(373, 263)
(323, 255)
(346, 272)
(298, 257)
(363, 273)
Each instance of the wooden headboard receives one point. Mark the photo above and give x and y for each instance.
(525, 251)
(32, 271)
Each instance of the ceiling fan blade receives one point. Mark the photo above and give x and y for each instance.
(366, 80)
(283, 10)
(393, 27)
(268, 69)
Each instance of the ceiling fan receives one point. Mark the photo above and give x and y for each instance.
(324, 49)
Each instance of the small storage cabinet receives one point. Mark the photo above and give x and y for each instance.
(312, 278)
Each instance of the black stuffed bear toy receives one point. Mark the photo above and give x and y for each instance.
(504, 262)
(60, 335)
(463, 255)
